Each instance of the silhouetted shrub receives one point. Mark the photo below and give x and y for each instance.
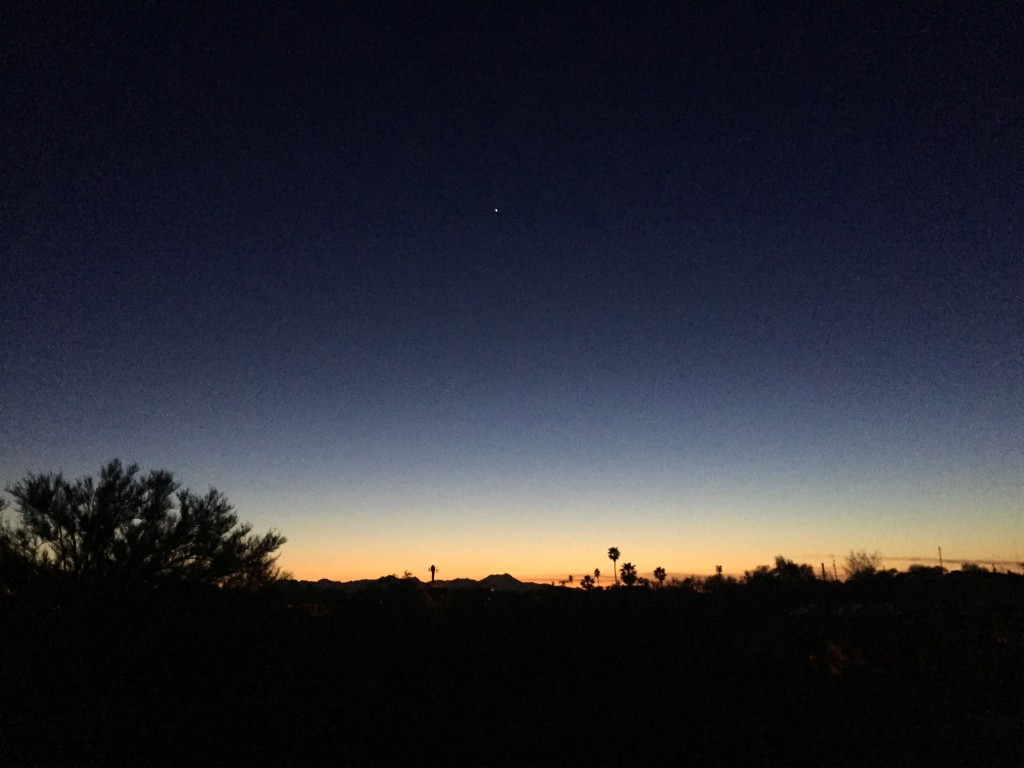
(131, 529)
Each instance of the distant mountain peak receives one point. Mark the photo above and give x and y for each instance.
(506, 582)
(496, 582)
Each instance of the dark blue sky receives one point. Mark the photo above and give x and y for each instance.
(754, 278)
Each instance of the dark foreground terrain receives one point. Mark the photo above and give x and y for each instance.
(887, 671)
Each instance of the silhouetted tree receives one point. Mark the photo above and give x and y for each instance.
(613, 555)
(787, 570)
(433, 570)
(597, 576)
(717, 583)
(659, 574)
(587, 582)
(784, 570)
(128, 527)
(17, 552)
(629, 574)
(861, 563)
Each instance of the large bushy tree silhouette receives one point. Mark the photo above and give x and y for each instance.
(133, 528)
(783, 571)
(629, 574)
(861, 564)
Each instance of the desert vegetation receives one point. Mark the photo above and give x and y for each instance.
(118, 665)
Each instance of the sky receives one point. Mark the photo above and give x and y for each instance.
(496, 286)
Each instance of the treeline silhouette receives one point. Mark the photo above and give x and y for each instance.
(197, 666)
(894, 669)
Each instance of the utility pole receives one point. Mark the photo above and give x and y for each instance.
(940, 558)
(835, 573)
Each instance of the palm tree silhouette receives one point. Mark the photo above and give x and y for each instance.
(613, 555)
(629, 574)
(659, 574)
(597, 576)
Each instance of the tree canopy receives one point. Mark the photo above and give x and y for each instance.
(784, 571)
(130, 527)
(629, 574)
(862, 563)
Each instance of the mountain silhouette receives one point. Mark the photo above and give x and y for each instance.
(503, 582)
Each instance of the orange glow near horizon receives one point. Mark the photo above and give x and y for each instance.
(544, 533)
(334, 570)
